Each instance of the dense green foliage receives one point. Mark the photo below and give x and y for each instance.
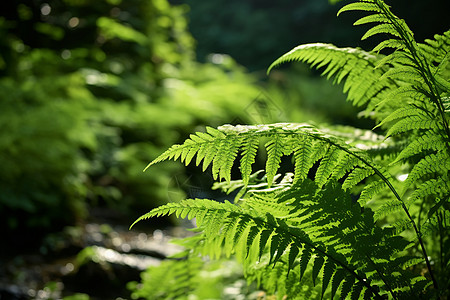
(84, 86)
(363, 214)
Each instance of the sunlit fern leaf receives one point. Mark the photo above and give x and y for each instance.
(405, 73)
(397, 58)
(370, 190)
(346, 163)
(369, 6)
(374, 18)
(402, 112)
(435, 50)
(396, 26)
(327, 165)
(356, 176)
(434, 163)
(413, 123)
(275, 150)
(310, 147)
(302, 156)
(388, 208)
(362, 80)
(248, 157)
(381, 29)
(438, 187)
(225, 157)
(391, 43)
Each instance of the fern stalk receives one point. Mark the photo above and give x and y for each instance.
(424, 71)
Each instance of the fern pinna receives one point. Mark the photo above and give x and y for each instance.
(346, 217)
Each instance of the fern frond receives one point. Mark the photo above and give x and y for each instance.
(439, 187)
(248, 156)
(381, 28)
(369, 6)
(308, 145)
(413, 123)
(356, 176)
(362, 80)
(402, 112)
(388, 208)
(434, 163)
(370, 190)
(275, 150)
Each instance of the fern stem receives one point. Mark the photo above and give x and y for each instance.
(382, 277)
(409, 44)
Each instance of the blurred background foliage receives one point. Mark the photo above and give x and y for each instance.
(92, 91)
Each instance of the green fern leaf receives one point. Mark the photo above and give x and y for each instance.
(374, 18)
(402, 112)
(248, 157)
(317, 266)
(362, 5)
(304, 260)
(251, 237)
(404, 73)
(356, 291)
(263, 238)
(347, 286)
(388, 208)
(370, 190)
(439, 186)
(293, 253)
(413, 123)
(328, 270)
(275, 242)
(338, 276)
(302, 155)
(327, 166)
(381, 28)
(346, 162)
(275, 150)
(391, 43)
(429, 141)
(433, 163)
(356, 176)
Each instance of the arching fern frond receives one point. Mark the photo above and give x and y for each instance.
(307, 144)
(290, 242)
(362, 80)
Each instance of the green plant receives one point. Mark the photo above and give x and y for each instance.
(80, 100)
(365, 214)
